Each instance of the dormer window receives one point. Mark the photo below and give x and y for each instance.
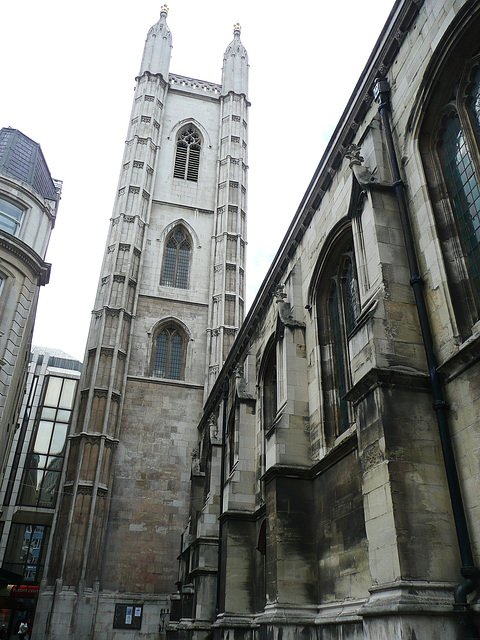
(10, 217)
(187, 157)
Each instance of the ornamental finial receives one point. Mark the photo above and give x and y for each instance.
(164, 10)
(236, 28)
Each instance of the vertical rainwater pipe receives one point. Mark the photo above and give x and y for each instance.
(222, 485)
(381, 92)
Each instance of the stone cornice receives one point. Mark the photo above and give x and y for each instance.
(183, 206)
(390, 378)
(28, 192)
(166, 382)
(27, 255)
(467, 355)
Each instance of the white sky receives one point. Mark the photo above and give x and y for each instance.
(67, 75)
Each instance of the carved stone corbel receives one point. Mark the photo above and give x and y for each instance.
(285, 314)
(363, 175)
(241, 385)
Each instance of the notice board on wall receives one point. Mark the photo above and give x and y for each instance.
(128, 616)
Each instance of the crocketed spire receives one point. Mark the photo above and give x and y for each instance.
(235, 66)
(158, 47)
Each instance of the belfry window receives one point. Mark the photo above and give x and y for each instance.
(187, 156)
(169, 354)
(338, 310)
(450, 141)
(176, 259)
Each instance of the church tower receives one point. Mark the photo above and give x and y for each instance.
(170, 300)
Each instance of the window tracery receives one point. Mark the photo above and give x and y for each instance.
(176, 259)
(338, 307)
(452, 163)
(270, 388)
(187, 156)
(169, 353)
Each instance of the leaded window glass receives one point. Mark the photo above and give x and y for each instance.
(270, 389)
(449, 142)
(338, 312)
(176, 260)
(168, 359)
(464, 191)
(187, 156)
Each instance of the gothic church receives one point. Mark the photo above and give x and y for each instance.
(333, 490)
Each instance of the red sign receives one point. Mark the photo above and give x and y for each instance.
(24, 591)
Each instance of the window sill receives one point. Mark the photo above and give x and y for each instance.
(165, 381)
(467, 353)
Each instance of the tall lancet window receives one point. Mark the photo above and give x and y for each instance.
(187, 156)
(450, 143)
(270, 387)
(338, 311)
(169, 353)
(461, 177)
(176, 259)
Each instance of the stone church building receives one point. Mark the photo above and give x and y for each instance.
(316, 467)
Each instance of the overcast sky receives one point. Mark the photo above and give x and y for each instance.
(67, 75)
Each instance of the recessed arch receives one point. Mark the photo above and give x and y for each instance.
(335, 295)
(268, 384)
(178, 126)
(177, 258)
(169, 339)
(447, 130)
(342, 227)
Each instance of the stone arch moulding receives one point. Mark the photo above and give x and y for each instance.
(155, 329)
(461, 35)
(173, 133)
(342, 227)
(177, 223)
(170, 320)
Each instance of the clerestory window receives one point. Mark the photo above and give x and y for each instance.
(169, 353)
(176, 259)
(187, 156)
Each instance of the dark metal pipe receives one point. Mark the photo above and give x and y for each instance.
(222, 484)
(381, 93)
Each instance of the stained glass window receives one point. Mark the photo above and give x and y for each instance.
(339, 309)
(169, 354)
(464, 191)
(270, 389)
(452, 166)
(176, 260)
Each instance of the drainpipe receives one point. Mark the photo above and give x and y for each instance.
(381, 92)
(222, 484)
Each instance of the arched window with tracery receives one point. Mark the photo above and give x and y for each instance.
(270, 387)
(169, 348)
(187, 155)
(452, 163)
(176, 259)
(338, 309)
